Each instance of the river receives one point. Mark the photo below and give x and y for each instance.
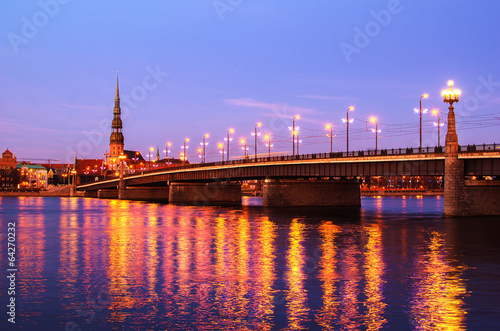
(393, 264)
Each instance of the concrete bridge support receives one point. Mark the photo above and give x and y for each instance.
(202, 194)
(89, 194)
(107, 194)
(153, 194)
(461, 197)
(305, 193)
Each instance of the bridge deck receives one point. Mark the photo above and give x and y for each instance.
(484, 162)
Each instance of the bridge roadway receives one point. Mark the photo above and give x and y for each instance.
(481, 161)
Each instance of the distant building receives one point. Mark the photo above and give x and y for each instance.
(116, 141)
(9, 178)
(32, 176)
(58, 173)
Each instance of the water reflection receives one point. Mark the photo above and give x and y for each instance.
(329, 312)
(176, 268)
(374, 272)
(437, 301)
(296, 294)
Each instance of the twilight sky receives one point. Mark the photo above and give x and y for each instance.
(191, 67)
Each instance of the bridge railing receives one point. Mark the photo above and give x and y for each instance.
(363, 153)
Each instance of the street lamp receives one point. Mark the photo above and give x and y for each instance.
(451, 96)
(330, 127)
(269, 145)
(294, 132)
(438, 124)
(185, 147)
(255, 135)
(374, 120)
(420, 111)
(149, 157)
(298, 140)
(204, 143)
(347, 121)
(228, 140)
(167, 150)
(221, 147)
(244, 142)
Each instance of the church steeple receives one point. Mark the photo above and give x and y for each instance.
(116, 143)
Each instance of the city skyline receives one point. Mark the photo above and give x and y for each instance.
(188, 69)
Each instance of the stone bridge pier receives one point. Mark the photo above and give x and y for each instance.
(205, 194)
(306, 193)
(461, 197)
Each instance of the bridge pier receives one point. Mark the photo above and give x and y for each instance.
(107, 194)
(205, 194)
(89, 194)
(305, 193)
(153, 194)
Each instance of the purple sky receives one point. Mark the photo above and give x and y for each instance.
(193, 67)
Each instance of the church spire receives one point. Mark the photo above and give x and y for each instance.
(116, 139)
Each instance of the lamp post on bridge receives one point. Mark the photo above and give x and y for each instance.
(294, 132)
(330, 127)
(203, 158)
(438, 124)
(454, 181)
(451, 97)
(374, 120)
(167, 145)
(228, 140)
(121, 184)
(269, 145)
(347, 121)
(419, 111)
(149, 157)
(244, 148)
(221, 147)
(184, 159)
(255, 135)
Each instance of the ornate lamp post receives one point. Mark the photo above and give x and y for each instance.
(347, 121)
(454, 181)
(374, 120)
(255, 135)
(438, 124)
(420, 111)
(451, 97)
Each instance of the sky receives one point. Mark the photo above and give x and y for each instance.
(189, 68)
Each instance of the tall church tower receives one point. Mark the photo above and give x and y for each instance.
(116, 140)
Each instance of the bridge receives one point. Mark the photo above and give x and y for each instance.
(313, 174)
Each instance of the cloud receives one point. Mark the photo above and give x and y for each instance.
(323, 97)
(283, 109)
(84, 107)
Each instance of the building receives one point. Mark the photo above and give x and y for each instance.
(32, 176)
(58, 173)
(116, 141)
(9, 178)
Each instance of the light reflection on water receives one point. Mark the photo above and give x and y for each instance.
(105, 264)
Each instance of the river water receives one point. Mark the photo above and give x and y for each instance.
(394, 264)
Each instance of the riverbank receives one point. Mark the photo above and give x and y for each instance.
(57, 191)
